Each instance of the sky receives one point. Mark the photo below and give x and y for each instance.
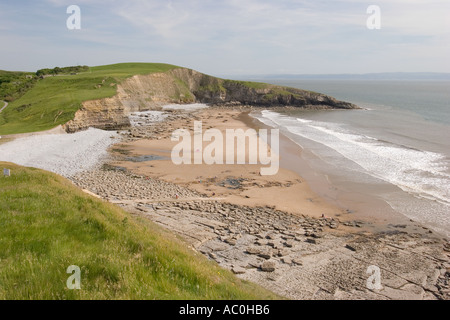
(230, 37)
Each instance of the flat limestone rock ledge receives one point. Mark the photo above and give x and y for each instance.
(180, 86)
(290, 265)
(298, 257)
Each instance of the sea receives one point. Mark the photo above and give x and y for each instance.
(394, 151)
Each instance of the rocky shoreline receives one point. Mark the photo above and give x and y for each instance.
(296, 256)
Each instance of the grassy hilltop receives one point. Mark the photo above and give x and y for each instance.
(54, 100)
(47, 224)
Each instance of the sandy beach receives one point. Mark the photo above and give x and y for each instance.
(285, 190)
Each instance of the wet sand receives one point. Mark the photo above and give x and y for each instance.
(376, 214)
(285, 190)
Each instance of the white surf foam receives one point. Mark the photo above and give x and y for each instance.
(416, 171)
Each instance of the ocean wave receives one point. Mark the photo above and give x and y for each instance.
(420, 172)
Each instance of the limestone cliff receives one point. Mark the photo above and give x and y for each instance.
(180, 85)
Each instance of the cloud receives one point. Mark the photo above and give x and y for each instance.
(268, 21)
(252, 35)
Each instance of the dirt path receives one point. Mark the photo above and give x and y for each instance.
(6, 104)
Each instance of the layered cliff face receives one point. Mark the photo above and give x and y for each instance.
(266, 95)
(140, 92)
(146, 92)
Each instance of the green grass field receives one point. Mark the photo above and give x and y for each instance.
(54, 100)
(47, 225)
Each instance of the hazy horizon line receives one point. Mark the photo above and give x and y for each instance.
(391, 75)
(369, 75)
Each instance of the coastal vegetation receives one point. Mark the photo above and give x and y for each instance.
(65, 70)
(13, 85)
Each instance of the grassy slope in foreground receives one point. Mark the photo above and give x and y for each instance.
(47, 224)
(54, 100)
